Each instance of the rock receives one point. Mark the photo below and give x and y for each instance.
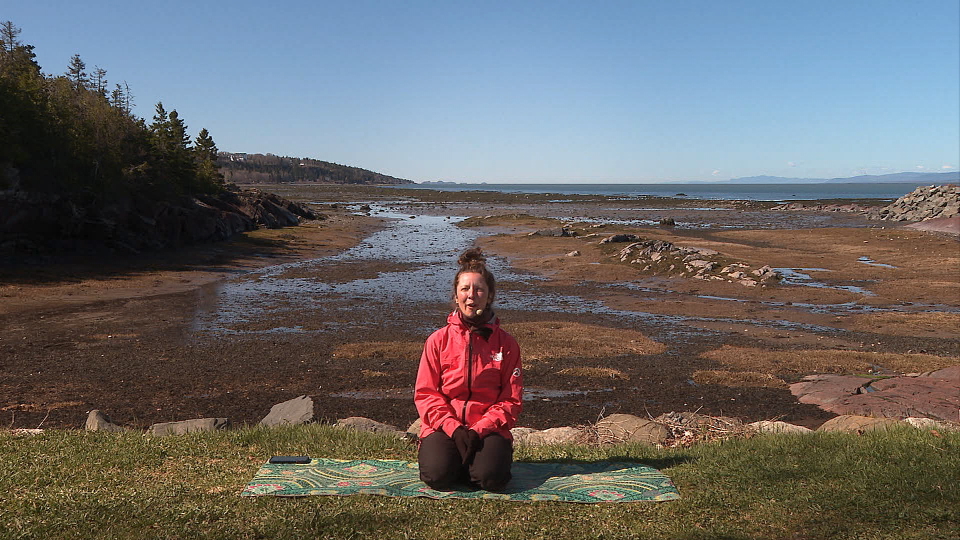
(298, 410)
(825, 389)
(618, 428)
(618, 238)
(768, 426)
(23, 432)
(856, 424)
(924, 203)
(188, 426)
(560, 231)
(365, 424)
(668, 222)
(930, 423)
(557, 435)
(35, 221)
(521, 434)
(414, 428)
(574, 253)
(99, 421)
(935, 395)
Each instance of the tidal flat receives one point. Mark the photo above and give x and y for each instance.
(338, 308)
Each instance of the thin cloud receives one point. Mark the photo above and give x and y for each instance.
(947, 167)
(716, 172)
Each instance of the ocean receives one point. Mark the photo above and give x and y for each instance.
(752, 192)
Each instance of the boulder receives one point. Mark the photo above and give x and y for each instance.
(849, 423)
(618, 428)
(930, 423)
(557, 435)
(521, 435)
(99, 421)
(365, 424)
(769, 426)
(298, 410)
(188, 426)
(414, 429)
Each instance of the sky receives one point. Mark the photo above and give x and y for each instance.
(538, 92)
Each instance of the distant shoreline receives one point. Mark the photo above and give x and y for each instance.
(755, 192)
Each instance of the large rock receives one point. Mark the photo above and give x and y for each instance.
(618, 428)
(298, 410)
(365, 424)
(776, 426)
(99, 421)
(188, 426)
(934, 395)
(414, 429)
(856, 424)
(557, 435)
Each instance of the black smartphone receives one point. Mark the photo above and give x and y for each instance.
(290, 459)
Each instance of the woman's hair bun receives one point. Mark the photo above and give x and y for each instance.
(472, 257)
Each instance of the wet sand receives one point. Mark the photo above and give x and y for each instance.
(337, 310)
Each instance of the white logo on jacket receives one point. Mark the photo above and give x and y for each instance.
(498, 357)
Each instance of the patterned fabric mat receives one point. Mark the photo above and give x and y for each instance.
(567, 482)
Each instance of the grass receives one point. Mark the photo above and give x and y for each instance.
(900, 483)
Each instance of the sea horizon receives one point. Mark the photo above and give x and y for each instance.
(709, 191)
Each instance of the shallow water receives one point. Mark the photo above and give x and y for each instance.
(428, 247)
(795, 276)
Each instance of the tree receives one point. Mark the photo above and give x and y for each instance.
(100, 81)
(9, 36)
(205, 150)
(204, 146)
(76, 72)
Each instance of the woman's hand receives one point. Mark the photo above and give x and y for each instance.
(468, 442)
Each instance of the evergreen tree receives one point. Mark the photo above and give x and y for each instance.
(77, 73)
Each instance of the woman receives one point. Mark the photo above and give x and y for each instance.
(469, 388)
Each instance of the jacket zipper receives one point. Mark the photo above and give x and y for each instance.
(469, 375)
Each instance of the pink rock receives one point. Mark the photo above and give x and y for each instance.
(935, 395)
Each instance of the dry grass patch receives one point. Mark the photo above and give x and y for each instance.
(380, 349)
(823, 361)
(738, 379)
(556, 339)
(943, 325)
(595, 372)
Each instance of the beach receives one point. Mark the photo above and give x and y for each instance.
(338, 308)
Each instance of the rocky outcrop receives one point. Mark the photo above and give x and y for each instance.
(33, 223)
(934, 395)
(929, 202)
(660, 257)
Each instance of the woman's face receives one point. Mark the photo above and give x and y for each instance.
(473, 294)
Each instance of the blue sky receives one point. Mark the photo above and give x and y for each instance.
(531, 92)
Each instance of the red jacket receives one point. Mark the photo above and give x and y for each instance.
(466, 380)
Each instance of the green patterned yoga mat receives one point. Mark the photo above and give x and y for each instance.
(567, 482)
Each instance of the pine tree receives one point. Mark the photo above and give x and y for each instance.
(76, 72)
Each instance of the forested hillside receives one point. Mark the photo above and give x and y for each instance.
(71, 134)
(79, 171)
(270, 169)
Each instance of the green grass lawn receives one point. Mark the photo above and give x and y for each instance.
(904, 483)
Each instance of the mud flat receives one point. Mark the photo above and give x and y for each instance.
(338, 309)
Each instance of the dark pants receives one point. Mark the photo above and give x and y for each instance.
(441, 465)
